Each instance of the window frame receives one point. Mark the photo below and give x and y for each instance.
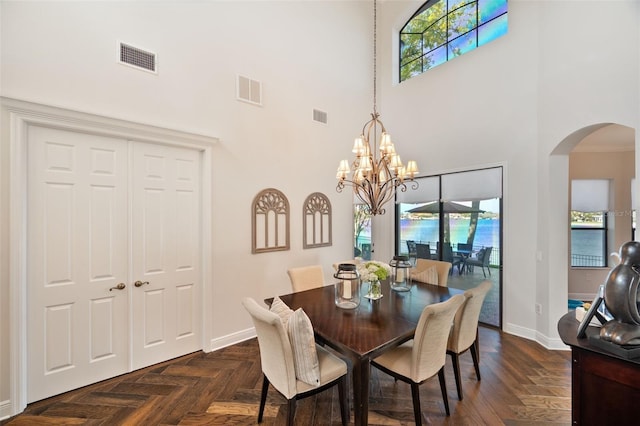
(450, 41)
(605, 241)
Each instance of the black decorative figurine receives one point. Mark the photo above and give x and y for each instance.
(621, 298)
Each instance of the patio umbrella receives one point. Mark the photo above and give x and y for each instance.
(449, 207)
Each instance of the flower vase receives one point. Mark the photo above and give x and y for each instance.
(375, 290)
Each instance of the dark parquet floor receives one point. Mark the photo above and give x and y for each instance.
(522, 384)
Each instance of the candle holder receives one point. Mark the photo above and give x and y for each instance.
(400, 273)
(348, 286)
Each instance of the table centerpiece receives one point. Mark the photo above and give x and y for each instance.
(373, 271)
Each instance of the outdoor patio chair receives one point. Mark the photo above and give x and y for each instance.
(482, 260)
(448, 256)
(413, 251)
(423, 251)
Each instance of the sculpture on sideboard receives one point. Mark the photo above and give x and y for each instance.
(621, 298)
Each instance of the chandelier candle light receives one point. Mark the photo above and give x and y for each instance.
(378, 173)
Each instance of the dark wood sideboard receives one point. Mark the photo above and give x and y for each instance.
(605, 388)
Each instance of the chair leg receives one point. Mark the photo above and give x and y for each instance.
(455, 360)
(344, 403)
(475, 355)
(263, 397)
(417, 411)
(291, 411)
(443, 388)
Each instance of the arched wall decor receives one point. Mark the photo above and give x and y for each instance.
(269, 221)
(316, 221)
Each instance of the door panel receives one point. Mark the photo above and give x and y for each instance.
(104, 211)
(77, 250)
(165, 240)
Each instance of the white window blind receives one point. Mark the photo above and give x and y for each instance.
(590, 195)
(428, 190)
(483, 184)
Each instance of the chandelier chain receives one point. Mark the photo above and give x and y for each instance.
(375, 56)
(378, 170)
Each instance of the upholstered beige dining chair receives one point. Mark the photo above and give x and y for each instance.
(277, 360)
(306, 277)
(464, 334)
(423, 357)
(426, 268)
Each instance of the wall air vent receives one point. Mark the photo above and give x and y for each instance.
(139, 58)
(319, 116)
(249, 90)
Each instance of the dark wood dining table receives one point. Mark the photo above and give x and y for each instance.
(364, 333)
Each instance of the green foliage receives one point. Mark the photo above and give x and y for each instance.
(361, 220)
(431, 29)
(591, 219)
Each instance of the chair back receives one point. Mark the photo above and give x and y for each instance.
(465, 246)
(411, 247)
(430, 340)
(306, 277)
(423, 251)
(350, 261)
(276, 355)
(442, 268)
(447, 252)
(487, 256)
(465, 323)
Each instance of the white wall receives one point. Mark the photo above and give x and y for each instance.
(65, 54)
(564, 65)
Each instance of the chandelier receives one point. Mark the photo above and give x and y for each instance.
(378, 172)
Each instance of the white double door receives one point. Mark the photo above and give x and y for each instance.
(103, 214)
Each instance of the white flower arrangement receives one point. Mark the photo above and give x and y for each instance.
(373, 270)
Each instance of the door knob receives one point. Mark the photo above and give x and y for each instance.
(120, 286)
(140, 283)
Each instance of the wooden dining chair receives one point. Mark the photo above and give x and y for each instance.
(419, 359)
(306, 277)
(464, 334)
(277, 361)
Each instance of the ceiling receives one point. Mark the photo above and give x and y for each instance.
(613, 137)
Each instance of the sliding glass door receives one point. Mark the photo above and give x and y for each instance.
(457, 218)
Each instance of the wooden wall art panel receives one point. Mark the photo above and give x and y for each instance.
(270, 221)
(316, 221)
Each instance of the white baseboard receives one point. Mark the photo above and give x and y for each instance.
(519, 331)
(232, 339)
(555, 344)
(5, 409)
(527, 333)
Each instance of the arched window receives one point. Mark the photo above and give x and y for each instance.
(443, 29)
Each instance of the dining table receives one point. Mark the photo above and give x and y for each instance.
(363, 333)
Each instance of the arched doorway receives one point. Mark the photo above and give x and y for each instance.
(604, 151)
